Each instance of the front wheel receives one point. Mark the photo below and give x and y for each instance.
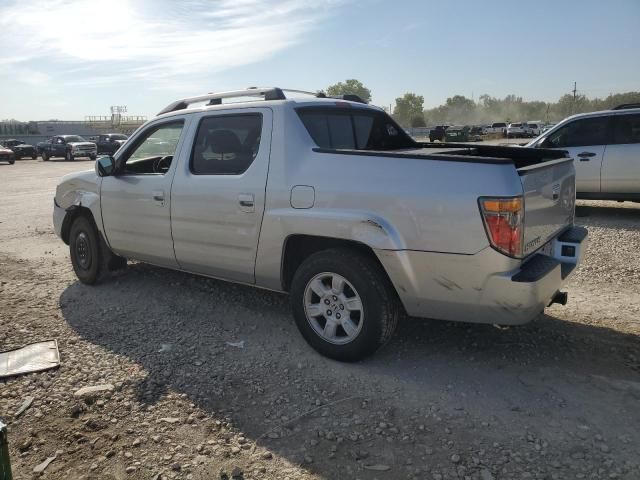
(93, 157)
(344, 304)
(69, 156)
(84, 248)
(11, 162)
(45, 156)
(34, 156)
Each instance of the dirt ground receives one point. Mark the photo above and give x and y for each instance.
(558, 398)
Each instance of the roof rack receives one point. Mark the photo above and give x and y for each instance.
(268, 93)
(625, 106)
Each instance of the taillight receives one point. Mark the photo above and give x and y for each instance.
(503, 220)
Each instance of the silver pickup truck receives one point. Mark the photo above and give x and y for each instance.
(330, 200)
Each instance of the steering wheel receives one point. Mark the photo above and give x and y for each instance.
(162, 164)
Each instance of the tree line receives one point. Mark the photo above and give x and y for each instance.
(409, 109)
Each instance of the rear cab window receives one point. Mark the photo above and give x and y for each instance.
(353, 129)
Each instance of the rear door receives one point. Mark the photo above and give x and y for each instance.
(585, 139)
(621, 165)
(218, 196)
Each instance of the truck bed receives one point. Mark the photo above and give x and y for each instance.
(459, 152)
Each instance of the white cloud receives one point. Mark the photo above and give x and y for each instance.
(157, 41)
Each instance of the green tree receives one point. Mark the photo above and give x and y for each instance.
(350, 87)
(408, 107)
(418, 121)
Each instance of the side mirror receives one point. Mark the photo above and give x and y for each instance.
(105, 166)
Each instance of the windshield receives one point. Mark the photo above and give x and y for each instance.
(74, 138)
(514, 125)
(118, 136)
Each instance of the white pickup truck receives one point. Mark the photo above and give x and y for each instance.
(328, 199)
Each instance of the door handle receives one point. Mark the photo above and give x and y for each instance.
(247, 202)
(585, 156)
(158, 196)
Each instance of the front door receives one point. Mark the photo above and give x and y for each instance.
(58, 147)
(218, 196)
(136, 200)
(585, 140)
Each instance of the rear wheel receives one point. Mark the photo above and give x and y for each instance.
(11, 162)
(84, 248)
(344, 304)
(34, 156)
(45, 156)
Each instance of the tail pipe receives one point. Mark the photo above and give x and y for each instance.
(560, 298)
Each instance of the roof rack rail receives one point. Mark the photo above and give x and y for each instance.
(267, 93)
(625, 106)
(349, 97)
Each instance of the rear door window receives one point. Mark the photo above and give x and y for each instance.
(626, 129)
(226, 144)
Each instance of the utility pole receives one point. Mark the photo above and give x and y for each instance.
(573, 106)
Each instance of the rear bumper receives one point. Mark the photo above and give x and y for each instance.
(487, 287)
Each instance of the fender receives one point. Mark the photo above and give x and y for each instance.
(80, 191)
(355, 225)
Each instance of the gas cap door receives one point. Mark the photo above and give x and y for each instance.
(302, 196)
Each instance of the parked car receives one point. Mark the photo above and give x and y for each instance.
(516, 130)
(606, 148)
(533, 128)
(457, 133)
(68, 146)
(438, 133)
(7, 155)
(21, 149)
(241, 192)
(498, 127)
(109, 143)
(476, 132)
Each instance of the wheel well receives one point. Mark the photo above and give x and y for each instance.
(72, 214)
(298, 248)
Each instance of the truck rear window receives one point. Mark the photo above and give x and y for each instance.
(349, 128)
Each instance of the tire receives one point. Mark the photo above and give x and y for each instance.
(34, 156)
(362, 278)
(93, 157)
(45, 156)
(11, 162)
(85, 251)
(68, 156)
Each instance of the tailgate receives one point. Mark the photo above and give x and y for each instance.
(549, 201)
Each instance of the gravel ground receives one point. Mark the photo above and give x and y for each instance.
(204, 380)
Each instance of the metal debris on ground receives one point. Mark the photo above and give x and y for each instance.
(239, 344)
(34, 357)
(42, 466)
(26, 404)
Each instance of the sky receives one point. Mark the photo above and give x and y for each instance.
(67, 59)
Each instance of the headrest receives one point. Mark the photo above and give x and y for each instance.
(223, 141)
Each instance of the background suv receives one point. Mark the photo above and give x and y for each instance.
(606, 150)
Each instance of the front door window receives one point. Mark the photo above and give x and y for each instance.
(153, 153)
